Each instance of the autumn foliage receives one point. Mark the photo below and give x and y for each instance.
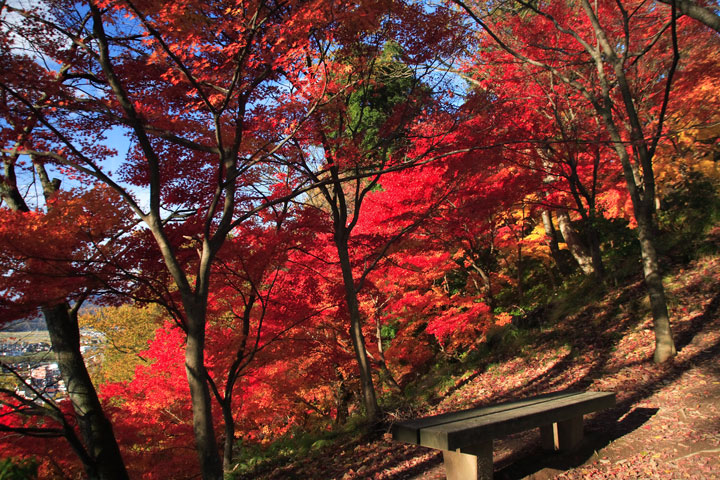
(281, 214)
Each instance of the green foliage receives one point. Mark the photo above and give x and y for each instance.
(15, 469)
(536, 281)
(388, 331)
(455, 281)
(575, 294)
(514, 312)
(439, 378)
(370, 107)
(297, 444)
(508, 339)
(620, 247)
(687, 213)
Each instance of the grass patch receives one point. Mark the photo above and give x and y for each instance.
(296, 445)
(30, 358)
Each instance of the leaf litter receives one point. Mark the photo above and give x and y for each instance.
(666, 424)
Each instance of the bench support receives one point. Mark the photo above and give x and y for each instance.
(466, 436)
(472, 463)
(563, 436)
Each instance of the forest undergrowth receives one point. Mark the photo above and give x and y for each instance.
(666, 424)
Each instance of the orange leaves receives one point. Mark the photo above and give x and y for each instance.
(503, 319)
(693, 123)
(46, 256)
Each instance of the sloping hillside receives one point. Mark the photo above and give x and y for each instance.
(667, 420)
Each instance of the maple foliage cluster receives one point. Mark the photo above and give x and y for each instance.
(318, 199)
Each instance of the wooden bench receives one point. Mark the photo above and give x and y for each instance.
(466, 437)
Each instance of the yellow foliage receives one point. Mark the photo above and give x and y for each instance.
(701, 133)
(694, 151)
(535, 245)
(127, 330)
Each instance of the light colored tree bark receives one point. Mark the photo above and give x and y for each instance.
(387, 374)
(576, 246)
(551, 239)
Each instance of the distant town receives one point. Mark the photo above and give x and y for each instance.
(28, 363)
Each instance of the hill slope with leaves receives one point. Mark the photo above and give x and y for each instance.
(665, 424)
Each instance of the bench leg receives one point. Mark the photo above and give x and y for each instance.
(548, 437)
(563, 436)
(475, 463)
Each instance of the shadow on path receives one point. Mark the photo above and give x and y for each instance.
(685, 336)
(527, 458)
(532, 459)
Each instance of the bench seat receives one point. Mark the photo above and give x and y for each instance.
(465, 437)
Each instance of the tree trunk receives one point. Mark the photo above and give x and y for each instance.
(664, 344)
(229, 435)
(595, 253)
(639, 176)
(95, 428)
(702, 14)
(356, 335)
(643, 204)
(551, 237)
(575, 244)
(487, 282)
(521, 290)
(206, 443)
(342, 399)
(101, 458)
(392, 383)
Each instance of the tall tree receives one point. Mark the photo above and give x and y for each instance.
(51, 252)
(208, 94)
(58, 247)
(363, 133)
(259, 299)
(603, 52)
